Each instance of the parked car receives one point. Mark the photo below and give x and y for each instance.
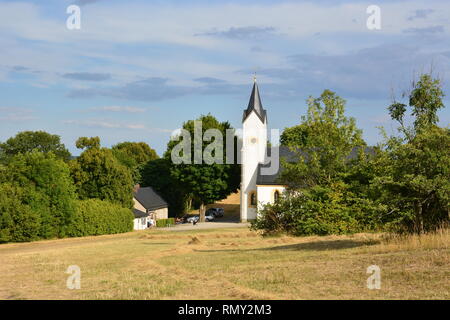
(216, 212)
(208, 217)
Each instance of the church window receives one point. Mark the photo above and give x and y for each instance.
(253, 199)
(276, 195)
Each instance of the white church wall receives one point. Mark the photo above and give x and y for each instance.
(266, 194)
(254, 146)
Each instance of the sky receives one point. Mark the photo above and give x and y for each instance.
(136, 70)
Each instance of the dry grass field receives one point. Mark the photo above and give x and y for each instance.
(227, 264)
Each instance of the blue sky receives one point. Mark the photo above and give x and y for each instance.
(136, 70)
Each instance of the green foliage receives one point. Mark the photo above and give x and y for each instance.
(88, 143)
(162, 223)
(49, 189)
(98, 174)
(18, 221)
(96, 217)
(425, 100)
(416, 176)
(323, 142)
(28, 141)
(134, 155)
(319, 211)
(204, 182)
(416, 181)
(158, 175)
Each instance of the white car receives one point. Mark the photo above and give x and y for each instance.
(195, 219)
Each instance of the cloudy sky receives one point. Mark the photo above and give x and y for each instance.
(137, 69)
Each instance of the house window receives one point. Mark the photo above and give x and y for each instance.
(253, 199)
(276, 196)
(143, 221)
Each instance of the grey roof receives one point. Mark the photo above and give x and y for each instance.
(149, 199)
(291, 156)
(140, 214)
(255, 104)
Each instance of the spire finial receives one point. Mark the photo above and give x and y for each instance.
(254, 77)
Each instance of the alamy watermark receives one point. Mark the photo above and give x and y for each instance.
(374, 20)
(374, 281)
(189, 149)
(74, 280)
(73, 22)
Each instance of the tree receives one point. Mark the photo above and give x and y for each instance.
(158, 175)
(18, 221)
(323, 142)
(417, 170)
(98, 174)
(205, 182)
(321, 199)
(28, 141)
(134, 155)
(88, 143)
(49, 190)
(425, 100)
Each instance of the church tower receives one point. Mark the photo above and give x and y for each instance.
(253, 152)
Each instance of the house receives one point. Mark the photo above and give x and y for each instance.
(258, 189)
(148, 207)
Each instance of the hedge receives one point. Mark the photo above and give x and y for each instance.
(161, 223)
(97, 217)
(18, 221)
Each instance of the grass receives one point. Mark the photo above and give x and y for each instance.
(227, 264)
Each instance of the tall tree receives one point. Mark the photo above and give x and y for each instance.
(207, 181)
(28, 141)
(417, 171)
(49, 188)
(98, 174)
(323, 142)
(134, 155)
(158, 175)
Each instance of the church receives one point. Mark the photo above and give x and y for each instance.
(257, 188)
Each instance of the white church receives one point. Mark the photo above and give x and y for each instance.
(257, 189)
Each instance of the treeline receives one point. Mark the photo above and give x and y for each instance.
(338, 184)
(45, 193)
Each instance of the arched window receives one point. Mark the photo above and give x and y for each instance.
(276, 196)
(253, 200)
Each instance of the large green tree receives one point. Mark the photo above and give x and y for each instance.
(49, 190)
(158, 175)
(323, 142)
(134, 155)
(416, 175)
(212, 179)
(28, 141)
(98, 174)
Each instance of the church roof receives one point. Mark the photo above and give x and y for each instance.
(255, 104)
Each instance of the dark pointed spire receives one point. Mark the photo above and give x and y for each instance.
(255, 104)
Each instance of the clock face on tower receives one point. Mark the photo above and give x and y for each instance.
(253, 140)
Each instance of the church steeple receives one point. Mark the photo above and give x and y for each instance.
(255, 104)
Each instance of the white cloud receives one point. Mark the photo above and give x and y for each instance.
(16, 114)
(119, 109)
(109, 124)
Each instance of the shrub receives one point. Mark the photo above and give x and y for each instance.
(161, 223)
(49, 189)
(319, 211)
(18, 222)
(97, 217)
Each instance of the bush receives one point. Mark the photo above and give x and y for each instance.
(97, 217)
(18, 222)
(49, 190)
(319, 211)
(162, 223)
